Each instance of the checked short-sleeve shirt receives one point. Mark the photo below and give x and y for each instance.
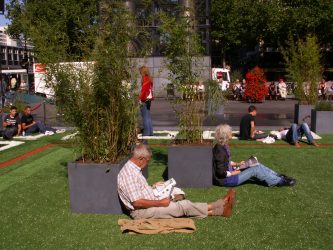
(133, 186)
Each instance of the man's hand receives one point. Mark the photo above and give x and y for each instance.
(165, 202)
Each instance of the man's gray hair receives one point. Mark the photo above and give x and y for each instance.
(141, 151)
(223, 133)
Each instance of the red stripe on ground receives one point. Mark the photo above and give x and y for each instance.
(35, 151)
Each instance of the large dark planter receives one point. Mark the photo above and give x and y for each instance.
(93, 187)
(322, 122)
(190, 166)
(303, 113)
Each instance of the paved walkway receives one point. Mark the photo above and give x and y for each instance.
(271, 115)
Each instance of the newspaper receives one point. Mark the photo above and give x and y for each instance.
(167, 189)
(252, 161)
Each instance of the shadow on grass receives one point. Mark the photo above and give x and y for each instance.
(63, 171)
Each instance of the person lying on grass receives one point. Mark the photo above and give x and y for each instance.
(228, 173)
(138, 197)
(294, 134)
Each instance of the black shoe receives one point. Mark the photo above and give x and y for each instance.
(286, 182)
(287, 177)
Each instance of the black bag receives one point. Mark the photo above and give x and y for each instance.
(9, 133)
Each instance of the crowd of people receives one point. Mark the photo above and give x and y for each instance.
(278, 90)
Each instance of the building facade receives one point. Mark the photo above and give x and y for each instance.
(17, 57)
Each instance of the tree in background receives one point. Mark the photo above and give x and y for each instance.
(241, 24)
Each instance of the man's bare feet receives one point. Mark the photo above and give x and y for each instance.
(297, 145)
(314, 144)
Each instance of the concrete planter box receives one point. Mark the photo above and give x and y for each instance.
(191, 166)
(303, 114)
(322, 122)
(93, 188)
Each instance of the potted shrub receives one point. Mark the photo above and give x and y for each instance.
(322, 118)
(189, 163)
(304, 69)
(92, 93)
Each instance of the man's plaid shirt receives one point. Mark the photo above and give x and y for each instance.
(133, 186)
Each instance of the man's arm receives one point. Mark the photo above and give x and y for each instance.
(24, 126)
(253, 129)
(143, 203)
(18, 129)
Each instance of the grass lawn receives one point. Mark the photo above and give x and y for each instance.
(35, 211)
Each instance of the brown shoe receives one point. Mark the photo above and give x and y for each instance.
(231, 195)
(229, 202)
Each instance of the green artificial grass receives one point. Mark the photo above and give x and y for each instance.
(35, 210)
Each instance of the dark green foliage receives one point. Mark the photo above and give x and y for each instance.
(243, 23)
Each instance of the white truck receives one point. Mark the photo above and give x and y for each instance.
(39, 71)
(222, 76)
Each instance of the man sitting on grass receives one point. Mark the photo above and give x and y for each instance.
(11, 124)
(29, 126)
(294, 134)
(139, 199)
(247, 127)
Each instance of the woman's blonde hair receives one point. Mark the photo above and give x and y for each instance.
(144, 71)
(223, 134)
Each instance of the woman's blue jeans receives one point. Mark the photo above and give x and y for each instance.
(146, 118)
(260, 172)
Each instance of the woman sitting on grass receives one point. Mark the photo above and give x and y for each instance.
(228, 173)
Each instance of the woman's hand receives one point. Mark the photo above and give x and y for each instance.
(236, 172)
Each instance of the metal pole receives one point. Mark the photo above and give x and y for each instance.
(1, 84)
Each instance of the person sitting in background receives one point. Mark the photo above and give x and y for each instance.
(228, 173)
(138, 197)
(247, 127)
(294, 134)
(11, 124)
(237, 90)
(322, 89)
(242, 88)
(272, 91)
(29, 126)
(282, 87)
